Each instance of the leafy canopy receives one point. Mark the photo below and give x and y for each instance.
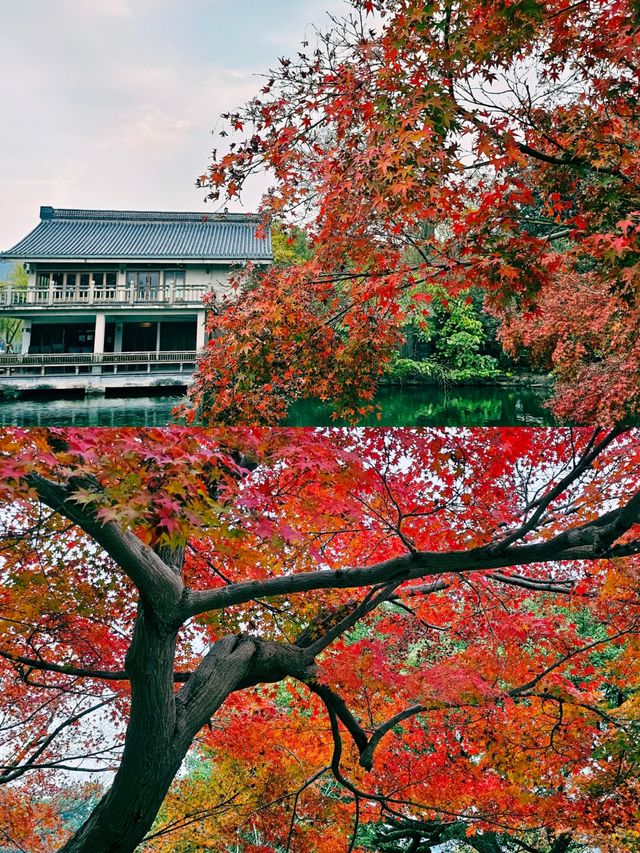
(440, 144)
(342, 628)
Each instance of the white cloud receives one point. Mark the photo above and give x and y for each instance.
(114, 8)
(111, 103)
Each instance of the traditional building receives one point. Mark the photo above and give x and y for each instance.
(122, 291)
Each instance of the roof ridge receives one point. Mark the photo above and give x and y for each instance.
(48, 212)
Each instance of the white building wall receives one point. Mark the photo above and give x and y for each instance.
(201, 330)
(214, 277)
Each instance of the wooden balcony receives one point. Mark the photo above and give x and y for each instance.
(99, 298)
(62, 364)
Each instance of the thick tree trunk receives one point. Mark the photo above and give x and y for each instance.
(125, 814)
(150, 759)
(161, 729)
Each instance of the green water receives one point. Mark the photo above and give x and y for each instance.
(401, 406)
(461, 406)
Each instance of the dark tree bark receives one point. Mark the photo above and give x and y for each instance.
(164, 723)
(161, 729)
(152, 752)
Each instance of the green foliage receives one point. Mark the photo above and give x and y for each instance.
(454, 343)
(17, 278)
(410, 370)
(290, 246)
(11, 329)
(458, 337)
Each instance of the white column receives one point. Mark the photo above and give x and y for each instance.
(158, 325)
(26, 336)
(200, 330)
(117, 338)
(98, 337)
(121, 285)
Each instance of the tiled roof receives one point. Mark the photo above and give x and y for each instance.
(121, 235)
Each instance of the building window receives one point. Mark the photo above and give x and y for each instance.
(104, 285)
(57, 280)
(75, 286)
(43, 280)
(174, 281)
(145, 284)
(72, 283)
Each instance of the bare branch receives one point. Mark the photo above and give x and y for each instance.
(30, 764)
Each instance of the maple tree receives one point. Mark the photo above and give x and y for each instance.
(446, 144)
(340, 628)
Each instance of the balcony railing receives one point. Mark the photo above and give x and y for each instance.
(56, 296)
(108, 362)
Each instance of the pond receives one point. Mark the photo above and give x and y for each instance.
(517, 405)
(401, 406)
(89, 411)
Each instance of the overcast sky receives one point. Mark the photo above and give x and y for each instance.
(111, 103)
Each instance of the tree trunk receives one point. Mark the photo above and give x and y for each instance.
(150, 759)
(126, 813)
(161, 729)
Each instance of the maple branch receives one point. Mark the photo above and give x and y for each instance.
(572, 161)
(55, 765)
(235, 663)
(568, 160)
(296, 798)
(160, 587)
(369, 603)
(422, 589)
(60, 763)
(569, 701)
(590, 541)
(225, 579)
(337, 755)
(518, 691)
(566, 10)
(338, 705)
(78, 671)
(542, 503)
(191, 818)
(356, 825)
(523, 691)
(12, 840)
(382, 799)
(626, 550)
(366, 756)
(11, 774)
(540, 585)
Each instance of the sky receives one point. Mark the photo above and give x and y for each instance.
(111, 103)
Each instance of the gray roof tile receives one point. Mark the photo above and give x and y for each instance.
(130, 234)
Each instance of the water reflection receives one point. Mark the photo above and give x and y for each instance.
(462, 406)
(96, 412)
(406, 406)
